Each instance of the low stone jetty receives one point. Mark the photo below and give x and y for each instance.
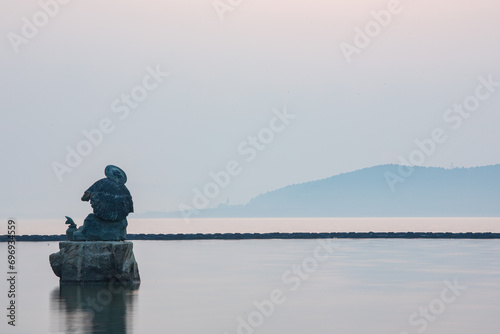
(278, 235)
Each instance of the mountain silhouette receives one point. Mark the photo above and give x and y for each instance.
(380, 191)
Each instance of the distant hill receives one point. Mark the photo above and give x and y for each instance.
(428, 192)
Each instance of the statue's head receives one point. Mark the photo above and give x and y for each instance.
(116, 174)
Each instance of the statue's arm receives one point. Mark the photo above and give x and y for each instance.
(86, 196)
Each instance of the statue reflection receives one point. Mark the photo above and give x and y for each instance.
(96, 308)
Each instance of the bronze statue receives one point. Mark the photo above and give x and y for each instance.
(111, 202)
(96, 252)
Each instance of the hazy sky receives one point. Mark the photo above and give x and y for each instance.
(232, 69)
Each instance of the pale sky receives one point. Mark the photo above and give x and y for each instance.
(228, 71)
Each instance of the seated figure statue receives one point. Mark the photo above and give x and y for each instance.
(111, 202)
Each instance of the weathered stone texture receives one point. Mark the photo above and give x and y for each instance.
(95, 261)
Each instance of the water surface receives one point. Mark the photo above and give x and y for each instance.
(211, 286)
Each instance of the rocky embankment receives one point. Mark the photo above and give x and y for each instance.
(277, 235)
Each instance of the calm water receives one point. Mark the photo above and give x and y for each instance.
(214, 286)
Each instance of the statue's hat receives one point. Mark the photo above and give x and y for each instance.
(116, 174)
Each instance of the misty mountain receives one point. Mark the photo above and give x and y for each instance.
(380, 191)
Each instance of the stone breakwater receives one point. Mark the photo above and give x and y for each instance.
(277, 235)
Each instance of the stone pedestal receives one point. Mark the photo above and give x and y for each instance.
(95, 261)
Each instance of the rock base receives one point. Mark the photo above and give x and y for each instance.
(95, 262)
